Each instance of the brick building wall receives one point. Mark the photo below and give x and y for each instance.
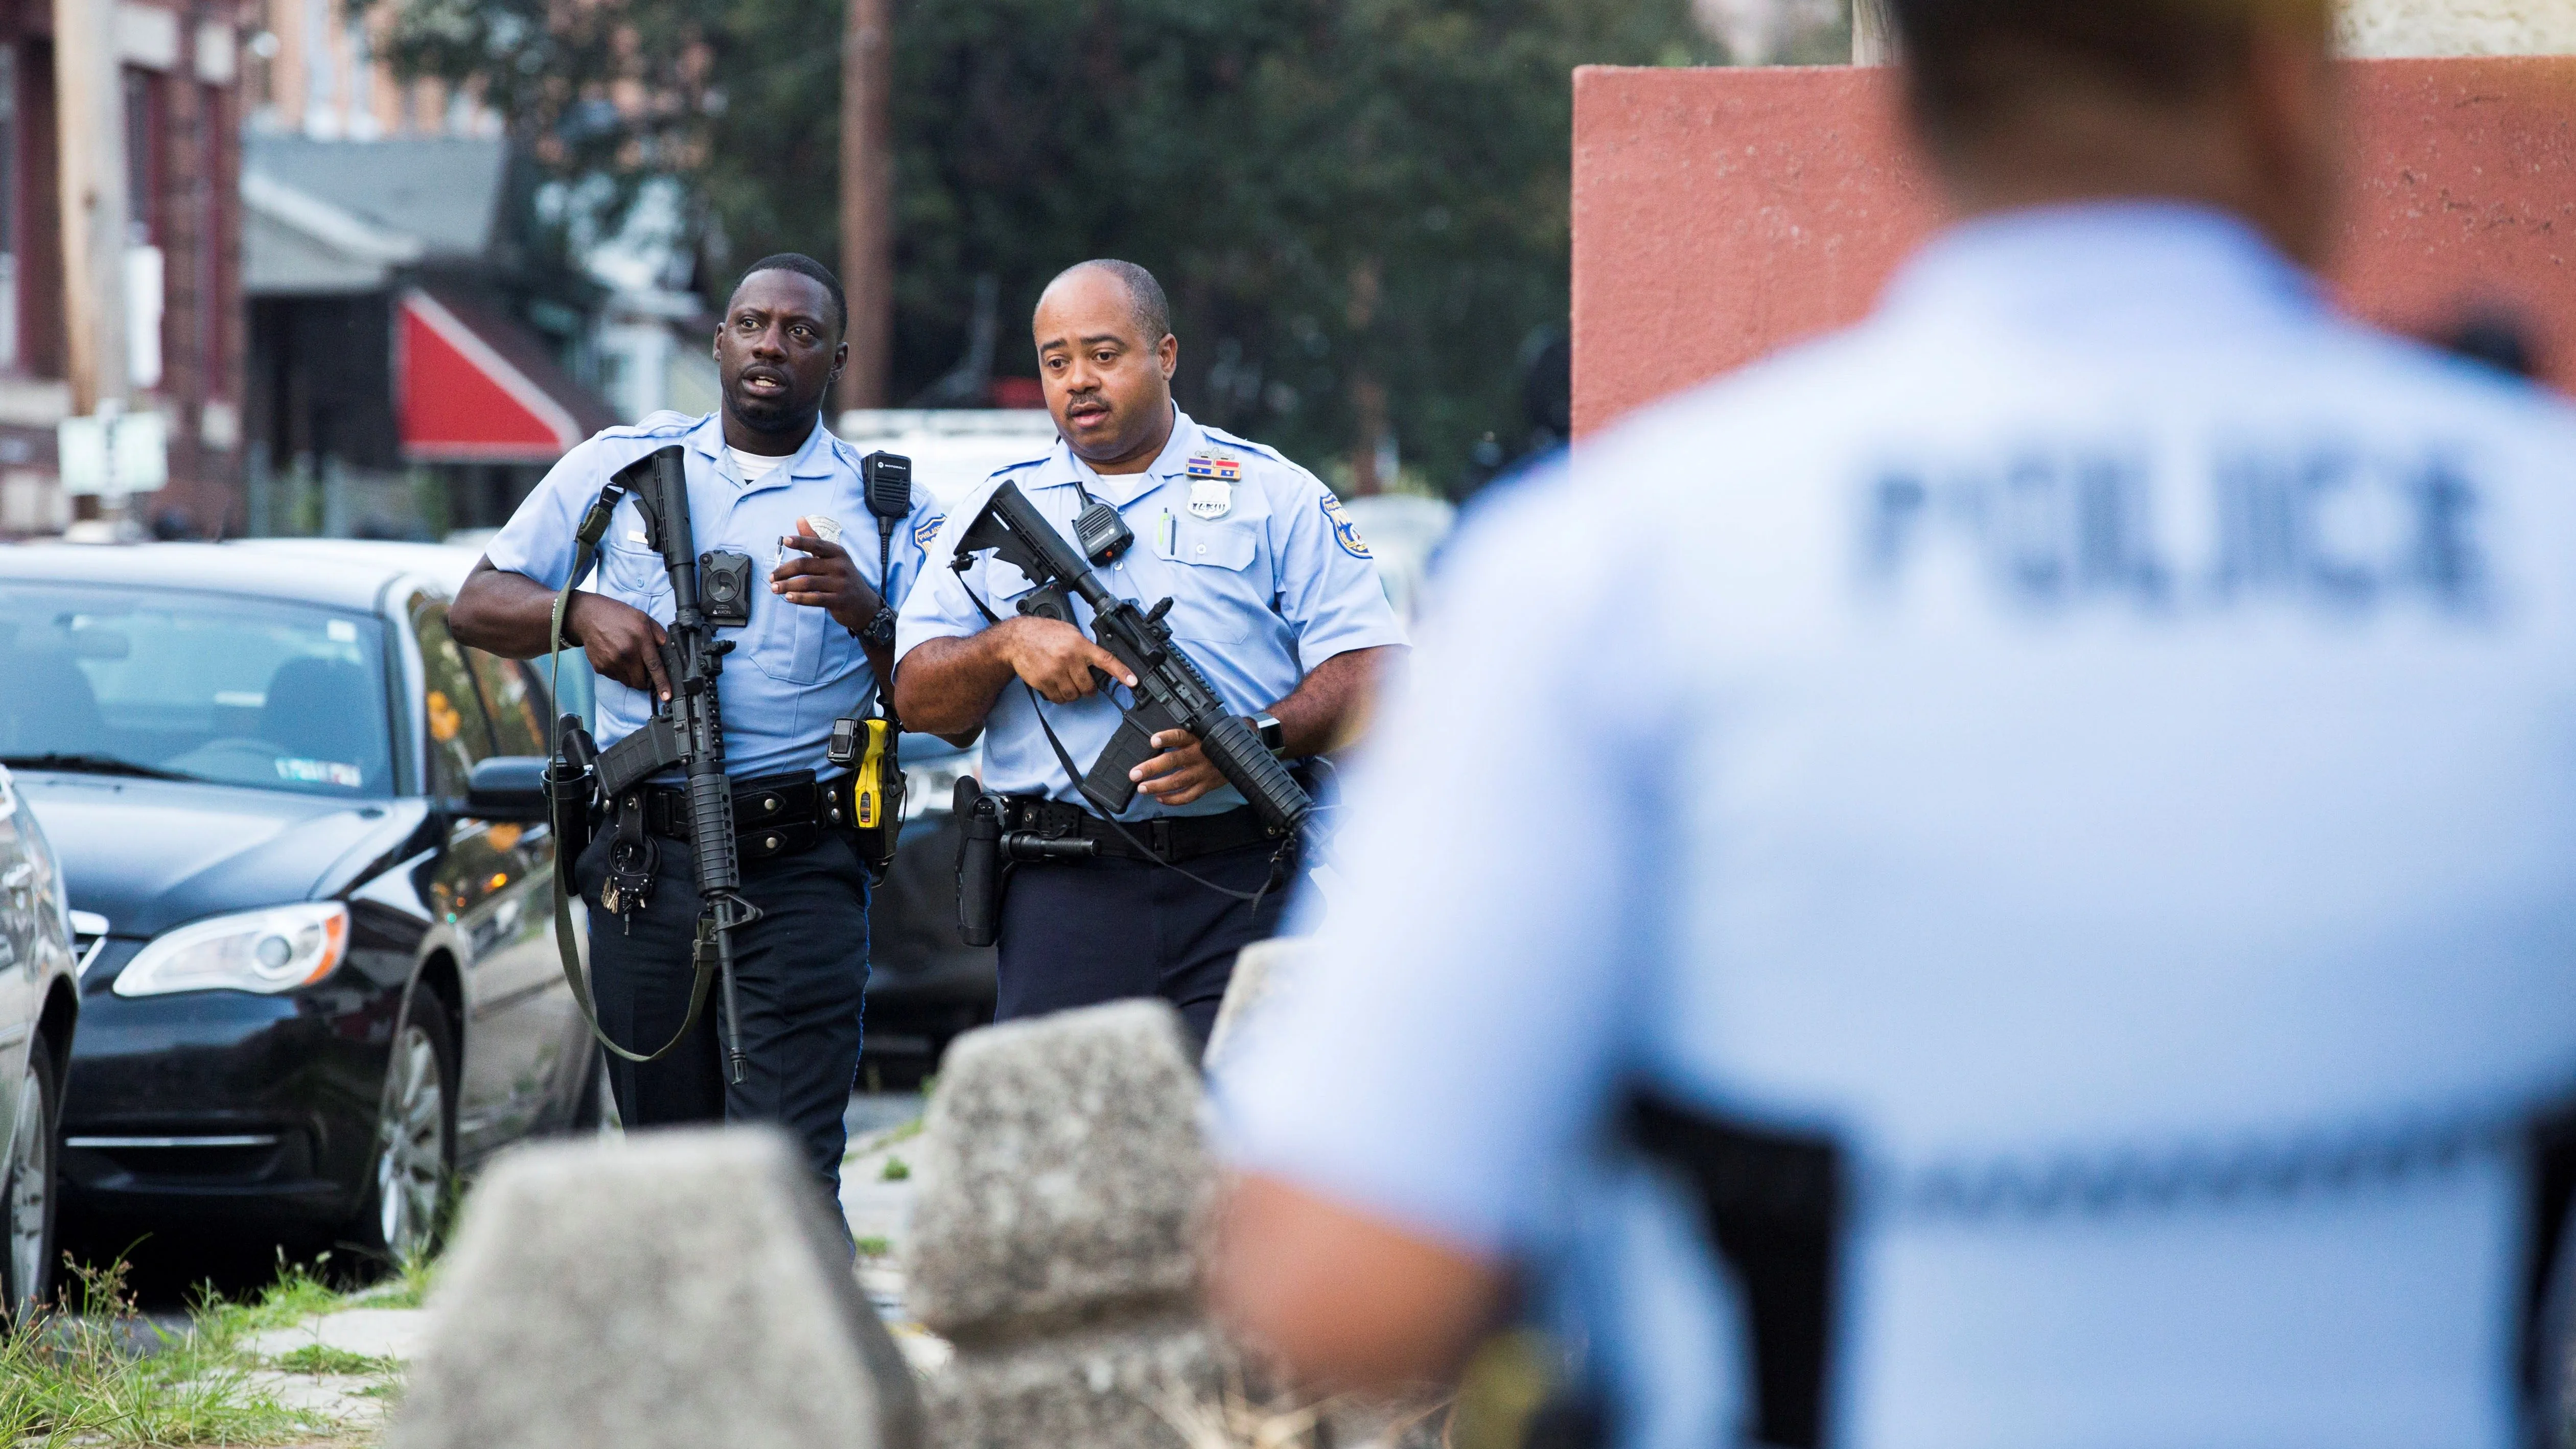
(180, 68)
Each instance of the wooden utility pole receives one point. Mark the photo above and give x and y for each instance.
(1873, 33)
(89, 107)
(867, 199)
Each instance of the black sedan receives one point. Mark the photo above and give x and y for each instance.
(317, 979)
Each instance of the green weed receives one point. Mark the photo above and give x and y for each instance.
(321, 1358)
(895, 1170)
(875, 1248)
(71, 1376)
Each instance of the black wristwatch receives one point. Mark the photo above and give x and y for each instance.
(879, 633)
(1274, 735)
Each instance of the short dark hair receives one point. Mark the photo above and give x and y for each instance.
(805, 266)
(1151, 310)
(1969, 63)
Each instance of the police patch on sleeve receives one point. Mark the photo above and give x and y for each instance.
(928, 529)
(1345, 532)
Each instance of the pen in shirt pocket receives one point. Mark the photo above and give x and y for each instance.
(1171, 534)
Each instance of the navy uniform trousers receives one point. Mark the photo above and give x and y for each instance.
(1083, 932)
(801, 971)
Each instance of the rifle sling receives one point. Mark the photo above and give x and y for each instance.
(1074, 773)
(594, 527)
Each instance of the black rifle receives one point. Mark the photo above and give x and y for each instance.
(1170, 692)
(687, 731)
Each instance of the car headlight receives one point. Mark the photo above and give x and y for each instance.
(273, 950)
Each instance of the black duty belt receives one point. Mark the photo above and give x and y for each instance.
(774, 816)
(1170, 839)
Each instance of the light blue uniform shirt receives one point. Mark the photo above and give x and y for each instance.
(1264, 588)
(795, 669)
(2100, 732)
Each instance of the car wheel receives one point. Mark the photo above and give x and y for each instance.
(415, 1137)
(27, 1269)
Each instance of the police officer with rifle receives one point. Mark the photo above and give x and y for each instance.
(1149, 623)
(742, 792)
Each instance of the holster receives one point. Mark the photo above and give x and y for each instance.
(878, 789)
(571, 785)
(980, 868)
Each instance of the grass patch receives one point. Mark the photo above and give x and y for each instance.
(321, 1358)
(72, 1377)
(407, 1288)
(895, 1170)
(875, 1248)
(75, 1375)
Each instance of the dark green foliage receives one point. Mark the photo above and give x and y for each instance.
(1338, 194)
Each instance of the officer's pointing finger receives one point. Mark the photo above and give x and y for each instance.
(1107, 662)
(653, 666)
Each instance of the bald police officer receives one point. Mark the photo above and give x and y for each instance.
(768, 480)
(2062, 939)
(1275, 599)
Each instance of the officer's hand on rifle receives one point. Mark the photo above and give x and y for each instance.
(1055, 659)
(1179, 775)
(823, 577)
(622, 641)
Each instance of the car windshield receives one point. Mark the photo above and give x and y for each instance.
(193, 686)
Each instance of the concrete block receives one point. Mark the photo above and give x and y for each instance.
(1065, 1179)
(1088, 1389)
(676, 1290)
(2456, 27)
(1258, 971)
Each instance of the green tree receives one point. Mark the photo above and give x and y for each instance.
(1359, 206)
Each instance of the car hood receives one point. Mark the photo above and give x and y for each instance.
(152, 854)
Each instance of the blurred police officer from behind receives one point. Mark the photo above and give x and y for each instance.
(2075, 871)
(1275, 599)
(766, 479)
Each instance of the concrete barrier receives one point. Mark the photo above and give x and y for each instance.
(677, 1290)
(1058, 1239)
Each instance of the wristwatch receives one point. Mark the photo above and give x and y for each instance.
(1274, 735)
(879, 633)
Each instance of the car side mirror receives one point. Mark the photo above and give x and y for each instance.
(508, 788)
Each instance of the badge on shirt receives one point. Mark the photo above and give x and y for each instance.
(1345, 532)
(1210, 498)
(928, 529)
(1212, 480)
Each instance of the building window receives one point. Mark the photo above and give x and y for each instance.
(213, 124)
(145, 262)
(9, 217)
(142, 198)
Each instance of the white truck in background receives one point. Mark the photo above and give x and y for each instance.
(952, 449)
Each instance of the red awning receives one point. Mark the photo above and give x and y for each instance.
(471, 387)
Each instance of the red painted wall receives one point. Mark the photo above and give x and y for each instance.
(1722, 214)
